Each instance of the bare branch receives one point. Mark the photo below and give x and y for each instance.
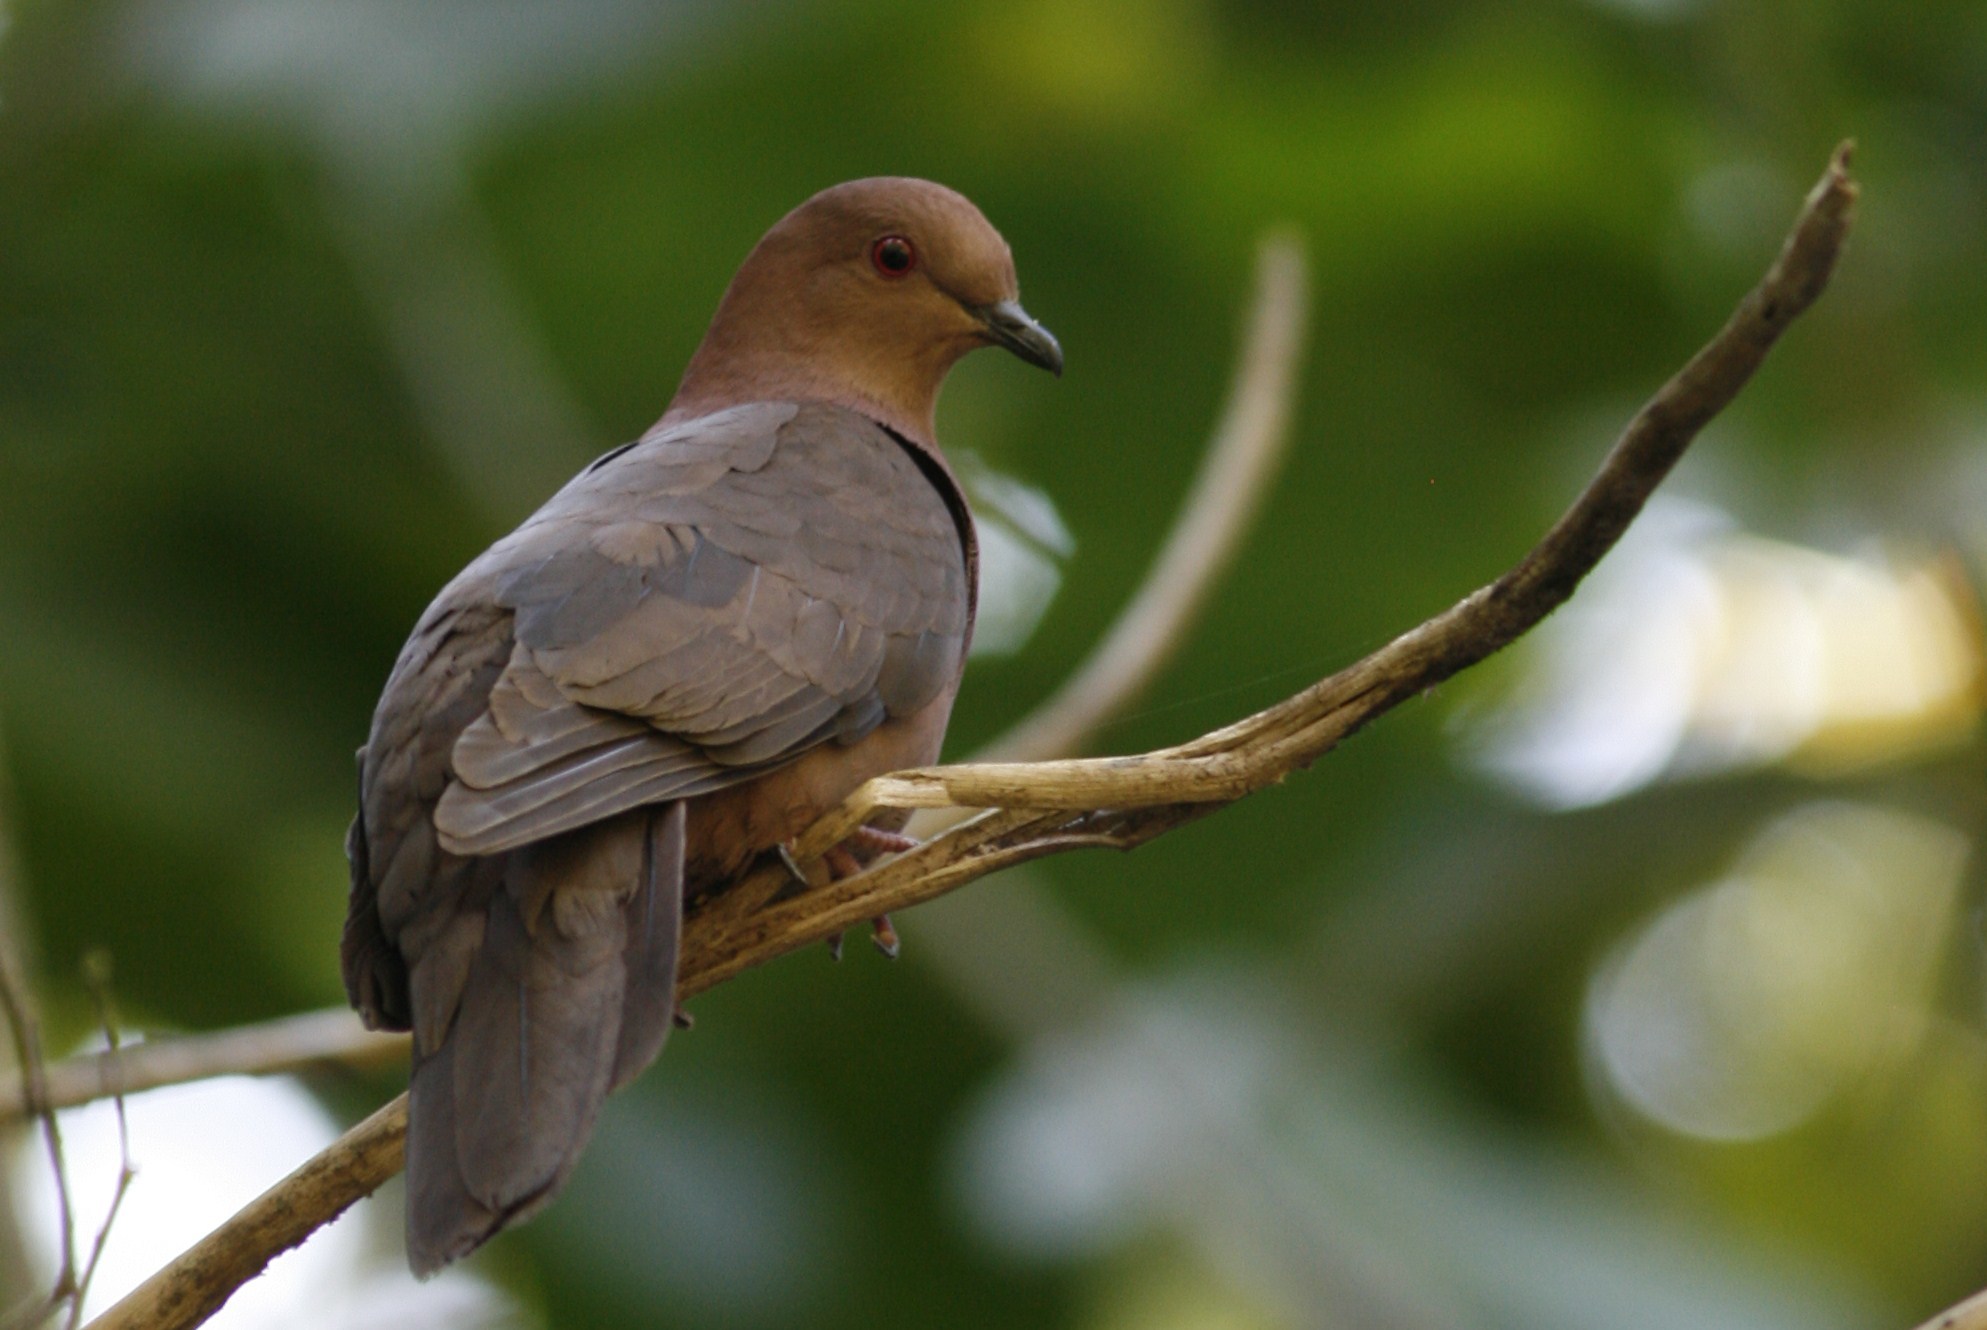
(1043, 808)
(1246, 452)
(24, 1026)
(17, 1004)
(25, 1030)
(290, 1043)
(1241, 758)
(194, 1286)
(96, 974)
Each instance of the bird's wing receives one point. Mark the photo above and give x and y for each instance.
(439, 686)
(699, 608)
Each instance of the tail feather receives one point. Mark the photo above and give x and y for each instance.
(534, 1044)
(444, 1221)
(571, 993)
(654, 923)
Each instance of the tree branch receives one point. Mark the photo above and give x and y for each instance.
(289, 1043)
(96, 975)
(16, 1006)
(19, 1011)
(195, 1285)
(1043, 808)
(1248, 447)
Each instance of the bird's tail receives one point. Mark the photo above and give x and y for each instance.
(570, 993)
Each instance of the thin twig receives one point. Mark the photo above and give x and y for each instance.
(195, 1285)
(1248, 447)
(23, 1023)
(96, 976)
(1044, 808)
(289, 1043)
(26, 1032)
(17, 1263)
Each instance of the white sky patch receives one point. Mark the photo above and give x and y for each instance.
(204, 1150)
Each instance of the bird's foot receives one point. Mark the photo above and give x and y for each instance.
(842, 862)
(683, 1020)
(857, 848)
(882, 932)
(878, 841)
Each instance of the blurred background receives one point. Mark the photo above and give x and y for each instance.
(1635, 979)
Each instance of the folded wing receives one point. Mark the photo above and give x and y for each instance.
(700, 608)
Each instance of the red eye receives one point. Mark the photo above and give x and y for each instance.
(893, 256)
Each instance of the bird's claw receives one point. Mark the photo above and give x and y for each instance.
(785, 851)
(841, 862)
(878, 841)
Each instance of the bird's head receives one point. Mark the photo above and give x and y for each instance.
(866, 295)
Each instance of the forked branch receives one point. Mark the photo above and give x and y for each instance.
(1041, 808)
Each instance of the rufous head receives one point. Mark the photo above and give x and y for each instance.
(865, 295)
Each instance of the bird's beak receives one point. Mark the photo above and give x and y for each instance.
(1009, 325)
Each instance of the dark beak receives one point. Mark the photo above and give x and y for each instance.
(1009, 325)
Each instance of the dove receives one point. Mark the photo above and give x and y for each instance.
(705, 640)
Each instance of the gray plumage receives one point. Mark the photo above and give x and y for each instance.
(685, 616)
(706, 640)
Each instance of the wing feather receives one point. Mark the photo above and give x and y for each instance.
(706, 605)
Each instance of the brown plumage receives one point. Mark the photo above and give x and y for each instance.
(705, 640)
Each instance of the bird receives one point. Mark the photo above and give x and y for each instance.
(709, 637)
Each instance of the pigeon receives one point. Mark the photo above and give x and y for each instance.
(707, 639)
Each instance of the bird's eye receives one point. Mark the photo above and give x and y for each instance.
(893, 256)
